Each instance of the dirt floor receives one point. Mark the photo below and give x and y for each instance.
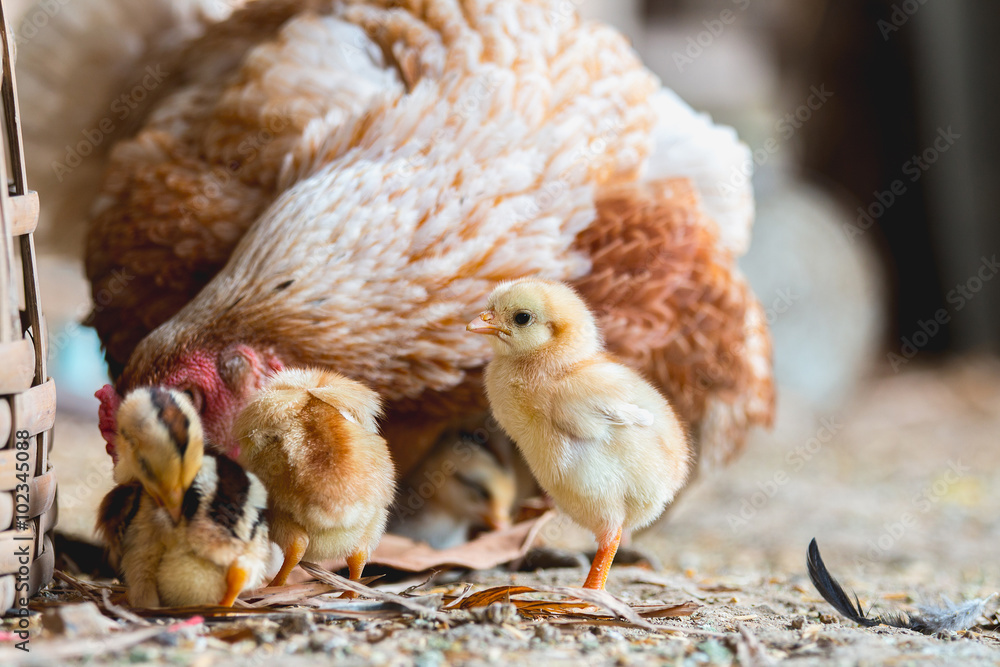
(900, 488)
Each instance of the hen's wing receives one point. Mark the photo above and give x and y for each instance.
(234, 120)
(373, 261)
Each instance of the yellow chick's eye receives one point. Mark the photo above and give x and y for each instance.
(523, 318)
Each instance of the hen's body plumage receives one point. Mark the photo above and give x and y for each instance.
(341, 184)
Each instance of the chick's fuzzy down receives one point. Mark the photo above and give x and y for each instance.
(182, 528)
(468, 483)
(312, 438)
(599, 438)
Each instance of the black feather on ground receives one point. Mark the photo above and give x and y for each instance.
(933, 620)
(833, 592)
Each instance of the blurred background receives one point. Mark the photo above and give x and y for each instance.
(873, 255)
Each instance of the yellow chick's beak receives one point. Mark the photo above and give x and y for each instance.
(484, 325)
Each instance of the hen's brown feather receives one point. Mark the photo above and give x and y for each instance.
(672, 305)
(201, 167)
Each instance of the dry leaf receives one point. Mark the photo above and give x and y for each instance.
(344, 584)
(671, 611)
(77, 620)
(491, 595)
(572, 607)
(488, 550)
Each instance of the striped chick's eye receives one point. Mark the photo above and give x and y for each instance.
(194, 395)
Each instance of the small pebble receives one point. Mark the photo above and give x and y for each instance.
(546, 633)
(296, 624)
(429, 659)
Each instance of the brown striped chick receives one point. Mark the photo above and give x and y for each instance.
(467, 484)
(312, 438)
(183, 528)
(598, 437)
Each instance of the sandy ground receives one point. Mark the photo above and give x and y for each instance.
(900, 488)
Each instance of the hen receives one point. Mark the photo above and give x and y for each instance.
(342, 184)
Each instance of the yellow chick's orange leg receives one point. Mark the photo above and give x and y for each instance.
(236, 581)
(606, 549)
(294, 550)
(356, 567)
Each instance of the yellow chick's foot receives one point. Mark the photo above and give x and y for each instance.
(601, 567)
(356, 567)
(236, 580)
(294, 551)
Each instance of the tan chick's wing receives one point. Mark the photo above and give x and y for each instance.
(671, 304)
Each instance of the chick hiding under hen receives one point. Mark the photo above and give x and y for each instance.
(312, 438)
(183, 527)
(598, 437)
(467, 484)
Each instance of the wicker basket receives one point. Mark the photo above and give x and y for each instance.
(27, 394)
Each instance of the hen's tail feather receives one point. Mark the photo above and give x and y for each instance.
(932, 620)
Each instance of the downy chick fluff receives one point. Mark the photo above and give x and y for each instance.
(598, 437)
(468, 483)
(311, 436)
(182, 528)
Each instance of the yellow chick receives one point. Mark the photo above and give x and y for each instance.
(467, 484)
(311, 436)
(183, 528)
(598, 437)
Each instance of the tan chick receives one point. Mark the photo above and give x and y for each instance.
(467, 484)
(598, 437)
(311, 436)
(183, 528)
